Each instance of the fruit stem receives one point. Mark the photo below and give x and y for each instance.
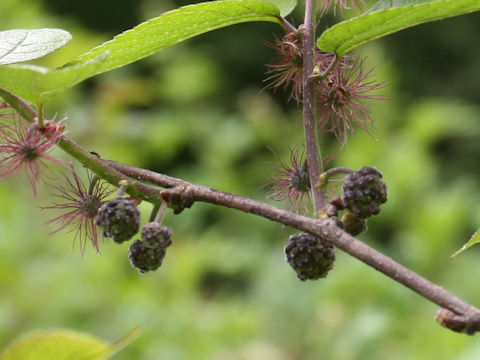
(331, 172)
(161, 212)
(121, 190)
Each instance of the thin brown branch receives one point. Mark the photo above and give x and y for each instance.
(88, 159)
(311, 141)
(457, 314)
(467, 317)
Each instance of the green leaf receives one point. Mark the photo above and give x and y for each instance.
(38, 84)
(176, 26)
(23, 45)
(63, 345)
(387, 17)
(387, 4)
(473, 240)
(285, 6)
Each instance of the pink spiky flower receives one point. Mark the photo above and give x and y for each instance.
(338, 100)
(291, 182)
(286, 69)
(82, 205)
(24, 146)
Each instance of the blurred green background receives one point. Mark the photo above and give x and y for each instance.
(197, 111)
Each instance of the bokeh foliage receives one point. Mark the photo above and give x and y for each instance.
(197, 111)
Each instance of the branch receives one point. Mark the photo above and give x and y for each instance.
(457, 314)
(94, 163)
(311, 141)
(87, 158)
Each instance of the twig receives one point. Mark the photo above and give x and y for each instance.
(88, 159)
(457, 314)
(311, 141)
(465, 314)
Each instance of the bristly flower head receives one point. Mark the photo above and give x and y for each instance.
(342, 4)
(286, 70)
(24, 146)
(291, 183)
(82, 205)
(337, 100)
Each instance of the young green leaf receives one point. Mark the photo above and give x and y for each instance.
(23, 45)
(285, 6)
(63, 345)
(387, 17)
(473, 240)
(176, 26)
(38, 84)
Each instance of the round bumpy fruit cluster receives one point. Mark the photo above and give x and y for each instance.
(148, 254)
(119, 218)
(144, 258)
(156, 235)
(310, 257)
(364, 192)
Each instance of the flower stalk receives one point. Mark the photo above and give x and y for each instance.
(41, 125)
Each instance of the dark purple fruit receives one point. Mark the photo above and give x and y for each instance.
(310, 257)
(364, 192)
(119, 219)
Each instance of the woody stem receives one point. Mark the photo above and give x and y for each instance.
(311, 140)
